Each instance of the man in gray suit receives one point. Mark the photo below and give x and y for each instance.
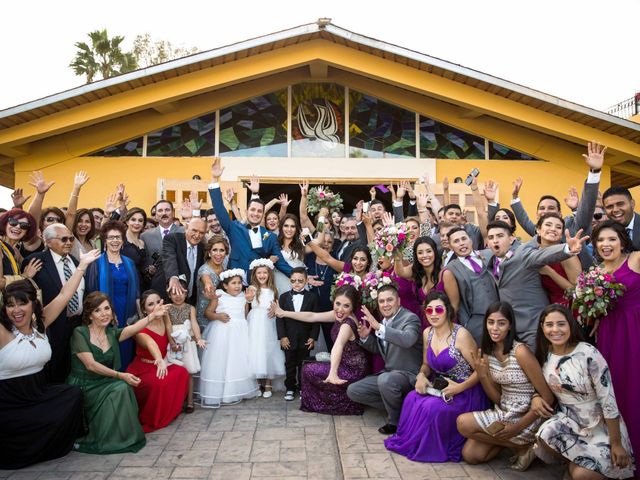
(165, 215)
(619, 205)
(515, 271)
(399, 340)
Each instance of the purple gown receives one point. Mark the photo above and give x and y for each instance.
(427, 429)
(320, 397)
(617, 340)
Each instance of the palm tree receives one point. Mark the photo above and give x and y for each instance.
(104, 56)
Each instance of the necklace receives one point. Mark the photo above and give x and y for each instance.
(30, 337)
(320, 273)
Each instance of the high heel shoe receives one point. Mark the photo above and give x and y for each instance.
(524, 460)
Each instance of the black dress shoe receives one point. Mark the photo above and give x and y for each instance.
(388, 429)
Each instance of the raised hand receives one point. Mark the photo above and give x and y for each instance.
(409, 188)
(196, 204)
(372, 193)
(304, 188)
(364, 329)
(401, 191)
(572, 199)
(368, 316)
(517, 185)
(595, 155)
(445, 183)
(230, 195)
(283, 200)
(88, 258)
(387, 219)
(110, 204)
(421, 200)
(159, 311)
(38, 182)
(80, 179)
(216, 169)
(576, 242)
(32, 268)
(480, 363)
(186, 209)
(490, 191)
(254, 185)
(18, 198)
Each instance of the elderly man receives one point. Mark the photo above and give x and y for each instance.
(398, 338)
(182, 256)
(57, 267)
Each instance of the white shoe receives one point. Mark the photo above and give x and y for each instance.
(289, 396)
(267, 394)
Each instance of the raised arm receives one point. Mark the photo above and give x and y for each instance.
(79, 180)
(54, 308)
(305, 221)
(325, 256)
(402, 270)
(481, 209)
(158, 312)
(216, 196)
(446, 196)
(518, 210)
(594, 159)
(308, 317)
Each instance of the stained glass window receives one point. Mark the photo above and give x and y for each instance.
(132, 148)
(498, 151)
(255, 128)
(317, 120)
(438, 140)
(379, 129)
(194, 138)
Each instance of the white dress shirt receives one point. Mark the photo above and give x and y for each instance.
(297, 301)
(59, 262)
(256, 237)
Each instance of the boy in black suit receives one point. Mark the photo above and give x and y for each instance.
(296, 338)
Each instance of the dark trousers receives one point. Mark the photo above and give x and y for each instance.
(58, 368)
(293, 359)
(326, 331)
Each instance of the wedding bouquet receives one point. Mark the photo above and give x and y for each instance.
(370, 285)
(346, 279)
(389, 239)
(595, 293)
(319, 197)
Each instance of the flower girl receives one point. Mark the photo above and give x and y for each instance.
(266, 357)
(226, 376)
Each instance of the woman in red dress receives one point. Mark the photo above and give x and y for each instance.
(162, 389)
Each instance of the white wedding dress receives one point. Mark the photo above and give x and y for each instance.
(282, 281)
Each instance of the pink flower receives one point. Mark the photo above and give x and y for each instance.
(389, 247)
(599, 291)
(607, 277)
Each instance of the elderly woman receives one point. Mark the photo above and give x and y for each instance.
(39, 422)
(16, 226)
(116, 275)
(109, 403)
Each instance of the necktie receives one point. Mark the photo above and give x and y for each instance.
(476, 268)
(191, 259)
(344, 246)
(165, 232)
(74, 303)
(630, 233)
(255, 229)
(293, 292)
(496, 267)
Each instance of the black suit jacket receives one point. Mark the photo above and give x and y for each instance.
(297, 332)
(174, 263)
(59, 332)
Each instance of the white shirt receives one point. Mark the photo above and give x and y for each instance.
(256, 238)
(380, 333)
(466, 263)
(57, 259)
(297, 302)
(630, 226)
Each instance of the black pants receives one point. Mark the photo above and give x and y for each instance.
(293, 359)
(326, 331)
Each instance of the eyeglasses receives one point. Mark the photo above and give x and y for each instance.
(69, 239)
(114, 238)
(439, 309)
(52, 219)
(14, 223)
(297, 280)
(598, 216)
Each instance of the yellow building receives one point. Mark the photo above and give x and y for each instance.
(314, 102)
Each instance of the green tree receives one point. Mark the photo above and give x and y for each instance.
(149, 52)
(102, 56)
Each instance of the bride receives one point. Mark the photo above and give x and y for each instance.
(292, 249)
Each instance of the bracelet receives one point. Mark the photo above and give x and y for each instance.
(422, 210)
(535, 395)
(117, 375)
(74, 194)
(474, 189)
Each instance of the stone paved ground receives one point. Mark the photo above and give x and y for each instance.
(268, 438)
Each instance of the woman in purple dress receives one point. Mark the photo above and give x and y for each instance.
(427, 430)
(324, 385)
(618, 332)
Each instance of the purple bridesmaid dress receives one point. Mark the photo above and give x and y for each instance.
(427, 429)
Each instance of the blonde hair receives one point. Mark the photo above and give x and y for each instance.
(271, 282)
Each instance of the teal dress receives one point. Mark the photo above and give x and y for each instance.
(110, 407)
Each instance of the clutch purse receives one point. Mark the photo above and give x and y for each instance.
(435, 390)
(323, 357)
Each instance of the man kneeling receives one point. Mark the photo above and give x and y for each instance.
(399, 340)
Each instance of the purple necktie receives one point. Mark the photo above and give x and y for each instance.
(165, 232)
(496, 268)
(476, 268)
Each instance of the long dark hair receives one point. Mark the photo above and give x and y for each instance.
(487, 345)
(145, 295)
(21, 291)
(366, 251)
(297, 248)
(351, 293)
(76, 220)
(508, 213)
(418, 270)
(542, 344)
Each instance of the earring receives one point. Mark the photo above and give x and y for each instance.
(33, 319)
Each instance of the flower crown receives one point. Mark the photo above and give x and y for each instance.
(261, 262)
(234, 272)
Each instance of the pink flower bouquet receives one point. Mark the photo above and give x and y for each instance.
(595, 293)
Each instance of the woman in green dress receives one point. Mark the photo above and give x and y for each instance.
(110, 406)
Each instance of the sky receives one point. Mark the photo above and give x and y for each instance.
(584, 51)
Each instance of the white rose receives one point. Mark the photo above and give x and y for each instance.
(374, 294)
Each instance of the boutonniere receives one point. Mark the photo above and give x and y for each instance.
(265, 236)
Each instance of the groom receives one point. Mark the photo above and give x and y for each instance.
(248, 241)
(398, 338)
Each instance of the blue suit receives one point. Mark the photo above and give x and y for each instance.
(242, 253)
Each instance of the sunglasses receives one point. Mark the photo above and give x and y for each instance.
(69, 239)
(14, 223)
(52, 219)
(438, 309)
(598, 216)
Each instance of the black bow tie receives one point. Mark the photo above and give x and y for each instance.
(293, 292)
(255, 229)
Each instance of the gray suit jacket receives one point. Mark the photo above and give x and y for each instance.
(636, 232)
(520, 285)
(153, 241)
(404, 343)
